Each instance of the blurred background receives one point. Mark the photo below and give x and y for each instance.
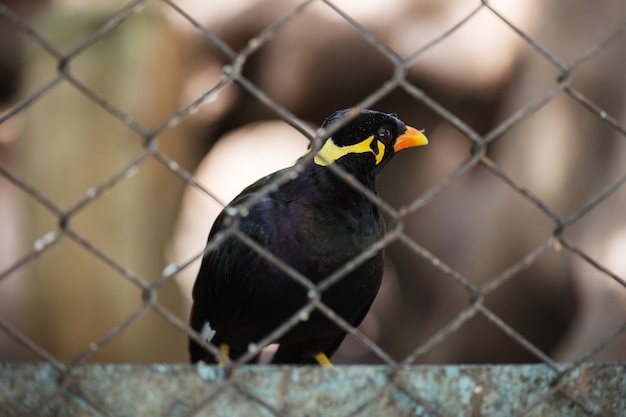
(105, 105)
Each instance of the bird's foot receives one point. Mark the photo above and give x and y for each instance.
(323, 360)
(224, 350)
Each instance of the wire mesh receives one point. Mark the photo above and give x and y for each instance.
(559, 236)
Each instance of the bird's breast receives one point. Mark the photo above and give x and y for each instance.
(318, 239)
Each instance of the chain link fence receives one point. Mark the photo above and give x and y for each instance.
(519, 196)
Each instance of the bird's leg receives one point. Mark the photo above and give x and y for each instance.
(225, 351)
(323, 360)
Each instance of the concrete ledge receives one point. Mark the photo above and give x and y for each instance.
(35, 389)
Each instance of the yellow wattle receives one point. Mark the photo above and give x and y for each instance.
(331, 152)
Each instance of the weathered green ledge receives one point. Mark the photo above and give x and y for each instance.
(40, 389)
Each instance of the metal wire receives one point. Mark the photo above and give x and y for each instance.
(233, 72)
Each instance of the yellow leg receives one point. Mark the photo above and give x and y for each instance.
(224, 350)
(323, 360)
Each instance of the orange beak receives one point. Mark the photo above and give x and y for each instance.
(410, 138)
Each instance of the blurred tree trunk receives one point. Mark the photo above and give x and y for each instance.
(70, 147)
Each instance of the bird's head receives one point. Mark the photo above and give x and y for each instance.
(364, 145)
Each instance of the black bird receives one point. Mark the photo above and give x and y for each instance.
(315, 222)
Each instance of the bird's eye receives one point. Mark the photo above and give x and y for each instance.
(384, 133)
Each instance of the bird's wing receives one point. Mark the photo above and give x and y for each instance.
(226, 276)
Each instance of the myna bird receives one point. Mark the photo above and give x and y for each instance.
(315, 222)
